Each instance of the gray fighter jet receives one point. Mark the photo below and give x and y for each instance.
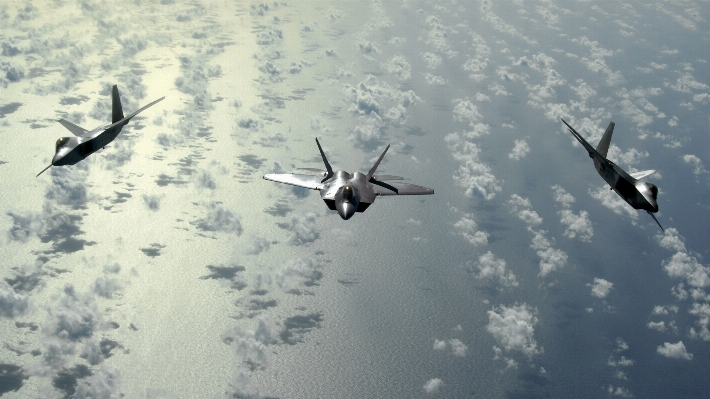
(70, 150)
(638, 194)
(349, 193)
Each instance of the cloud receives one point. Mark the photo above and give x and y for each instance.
(303, 229)
(488, 267)
(432, 60)
(152, 202)
(674, 351)
(577, 225)
(458, 348)
(433, 385)
(474, 176)
(702, 312)
(469, 230)
(299, 272)
(562, 196)
(242, 386)
(520, 150)
(75, 317)
(551, 259)
(697, 164)
(611, 200)
(257, 245)
(219, 218)
(513, 328)
(399, 67)
(103, 384)
(11, 303)
(601, 287)
(521, 206)
(439, 345)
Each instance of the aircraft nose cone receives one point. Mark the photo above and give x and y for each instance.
(346, 210)
(56, 159)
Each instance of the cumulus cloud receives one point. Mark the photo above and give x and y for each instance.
(458, 348)
(299, 272)
(468, 228)
(601, 287)
(433, 385)
(674, 351)
(104, 384)
(488, 267)
(219, 218)
(695, 162)
(11, 303)
(303, 229)
(152, 202)
(521, 206)
(562, 196)
(578, 225)
(432, 60)
(551, 259)
(472, 174)
(520, 150)
(399, 67)
(611, 200)
(702, 312)
(513, 328)
(76, 317)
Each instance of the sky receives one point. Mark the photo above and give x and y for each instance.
(164, 266)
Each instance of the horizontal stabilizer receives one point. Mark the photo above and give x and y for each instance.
(306, 181)
(640, 175)
(582, 141)
(399, 189)
(387, 177)
(76, 130)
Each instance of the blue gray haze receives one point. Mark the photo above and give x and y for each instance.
(164, 266)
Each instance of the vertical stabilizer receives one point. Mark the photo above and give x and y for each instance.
(374, 167)
(325, 161)
(603, 146)
(117, 109)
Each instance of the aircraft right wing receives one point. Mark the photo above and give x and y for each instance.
(640, 175)
(76, 130)
(306, 181)
(382, 188)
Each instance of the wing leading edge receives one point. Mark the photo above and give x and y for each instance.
(307, 181)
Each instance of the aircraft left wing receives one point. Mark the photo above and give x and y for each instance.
(382, 188)
(642, 174)
(591, 150)
(306, 181)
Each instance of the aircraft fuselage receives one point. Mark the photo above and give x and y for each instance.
(347, 193)
(638, 194)
(71, 150)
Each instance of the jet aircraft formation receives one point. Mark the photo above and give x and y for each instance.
(352, 193)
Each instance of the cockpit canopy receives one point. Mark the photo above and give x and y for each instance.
(654, 190)
(61, 143)
(347, 192)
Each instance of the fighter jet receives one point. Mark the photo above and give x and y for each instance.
(349, 193)
(638, 194)
(70, 150)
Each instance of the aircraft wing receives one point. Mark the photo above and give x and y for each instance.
(76, 130)
(640, 175)
(591, 150)
(307, 181)
(382, 188)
